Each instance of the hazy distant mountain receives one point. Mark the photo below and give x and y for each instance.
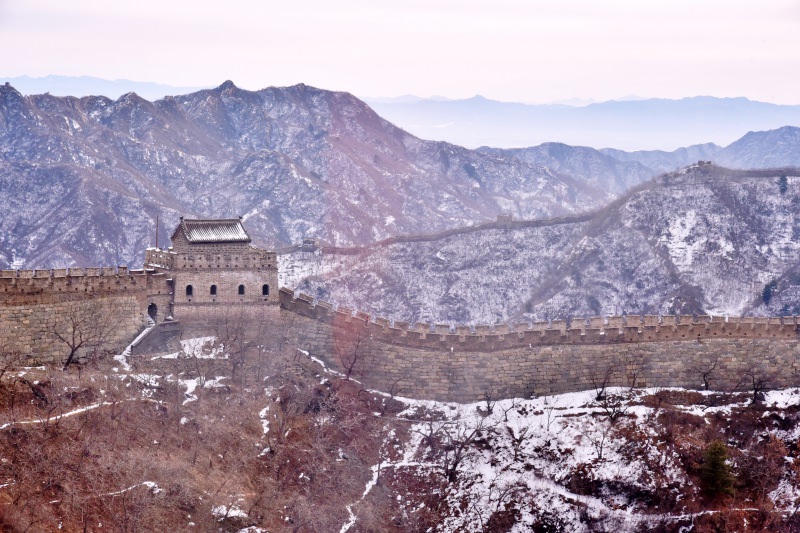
(651, 124)
(764, 149)
(403, 99)
(599, 169)
(91, 86)
(661, 161)
(757, 149)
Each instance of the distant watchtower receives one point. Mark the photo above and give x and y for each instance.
(213, 267)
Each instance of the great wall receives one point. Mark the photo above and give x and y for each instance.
(465, 364)
(432, 361)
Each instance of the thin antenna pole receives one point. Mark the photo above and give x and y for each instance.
(156, 230)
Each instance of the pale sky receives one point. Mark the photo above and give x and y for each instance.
(512, 50)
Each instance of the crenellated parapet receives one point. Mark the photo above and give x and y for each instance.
(575, 331)
(41, 286)
(211, 258)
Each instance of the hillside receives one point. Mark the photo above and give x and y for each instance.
(757, 149)
(211, 438)
(704, 239)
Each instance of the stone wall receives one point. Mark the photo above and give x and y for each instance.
(608, 330)
(109, 305)
(463, 366)
(109, 322)
(429, 361)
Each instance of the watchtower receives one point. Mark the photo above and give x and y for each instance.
(214, 266)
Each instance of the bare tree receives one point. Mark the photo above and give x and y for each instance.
(602, 380)
(490, 401)
(457, 444)
(706, 369)
(348, 343)
(634, 365)
(506, 410)
(549, 410)
(599, 439)
(231, 334)
(517, 439)
(387, 399)
(757, 382)
(614, 405)
(84, 326)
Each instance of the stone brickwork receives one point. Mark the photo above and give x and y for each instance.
(30, 331)
(37, 304)
(433, 362)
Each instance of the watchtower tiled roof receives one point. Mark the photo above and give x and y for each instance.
(213, 230)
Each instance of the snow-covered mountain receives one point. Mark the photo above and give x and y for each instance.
(85, 178)
(703, 239)
(90, 85)
(757, 149)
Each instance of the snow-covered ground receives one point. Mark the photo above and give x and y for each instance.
(568, 460)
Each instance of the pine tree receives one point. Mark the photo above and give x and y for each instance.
(715, 474)
(783, 184)
(769, 288)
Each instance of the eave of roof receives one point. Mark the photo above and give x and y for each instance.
(213, 230)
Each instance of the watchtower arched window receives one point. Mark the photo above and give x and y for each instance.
(213, 290)
(189, 290)
(241, 290)
(265, 290)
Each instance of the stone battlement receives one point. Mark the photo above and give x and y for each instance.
(27, 286)
(607, 330)
(212, 258)
(69, 272)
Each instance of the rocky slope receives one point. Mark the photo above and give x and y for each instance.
(604, 171)
(704, 239)
(84, 179)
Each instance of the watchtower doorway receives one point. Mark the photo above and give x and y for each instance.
(152, 312)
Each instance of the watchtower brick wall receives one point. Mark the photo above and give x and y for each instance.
(212, 264)
(217, 274)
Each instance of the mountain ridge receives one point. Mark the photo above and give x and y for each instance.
(90, 175)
